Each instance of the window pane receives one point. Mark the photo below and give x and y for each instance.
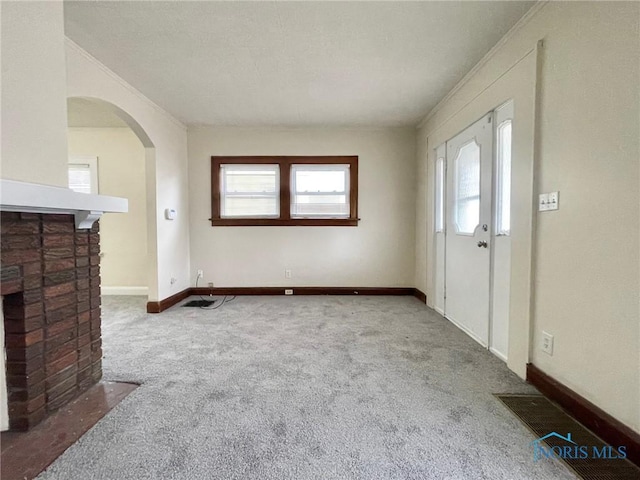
(320, 180)
(249, 191)
(80, 178)
(503, 197)
(439, 195)
(250, 207)
(326, 205)
(467, 188)
(250, 178)
(320, 191)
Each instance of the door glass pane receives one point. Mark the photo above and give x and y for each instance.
(467, 188)
(439, 203)
(503, 180)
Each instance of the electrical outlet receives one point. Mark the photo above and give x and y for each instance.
(547, 343)
(288, 291)
(200, 274)
(287, 273)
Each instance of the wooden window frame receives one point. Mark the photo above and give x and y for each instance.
(285, 163)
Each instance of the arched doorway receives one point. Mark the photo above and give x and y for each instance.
(111, 154)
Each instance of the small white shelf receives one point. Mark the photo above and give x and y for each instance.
(18, 196)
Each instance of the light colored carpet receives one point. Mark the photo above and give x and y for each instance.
(300, 388)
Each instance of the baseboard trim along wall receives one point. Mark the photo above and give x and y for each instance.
(420, 295)
(594, 418)
(140, 291)
(162, 305)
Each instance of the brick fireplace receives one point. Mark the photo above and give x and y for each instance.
(51, 307)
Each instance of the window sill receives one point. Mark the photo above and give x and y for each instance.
(276, 222)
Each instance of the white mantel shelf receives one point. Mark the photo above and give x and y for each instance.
(35, 198)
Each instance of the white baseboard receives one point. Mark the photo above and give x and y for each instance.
(141, 291)
(498, 354)
(468, 332)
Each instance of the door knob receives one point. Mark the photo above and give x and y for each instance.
(482, 244)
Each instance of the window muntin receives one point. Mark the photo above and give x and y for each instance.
(320, 191)
(503, 179)
(249, 191)
(439, 195)
(467, 188)
(310, 191)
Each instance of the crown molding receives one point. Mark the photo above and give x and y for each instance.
(70, 43)
(525, 19)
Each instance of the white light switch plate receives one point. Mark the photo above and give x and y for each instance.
(548, 201)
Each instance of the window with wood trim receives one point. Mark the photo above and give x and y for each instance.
(311, 191)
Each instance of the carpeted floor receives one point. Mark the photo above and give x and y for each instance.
(298, 388)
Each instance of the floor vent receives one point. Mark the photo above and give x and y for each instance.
(544, 417)
(199, 303)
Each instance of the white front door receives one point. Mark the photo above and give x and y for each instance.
(468, 229)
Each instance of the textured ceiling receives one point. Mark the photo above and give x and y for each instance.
(85, 113)
(292, 63)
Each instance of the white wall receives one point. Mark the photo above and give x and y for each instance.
(123, 236)
(34, 107)
(585, 268)
(586, 272)
(378, 253)
(166, 167)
